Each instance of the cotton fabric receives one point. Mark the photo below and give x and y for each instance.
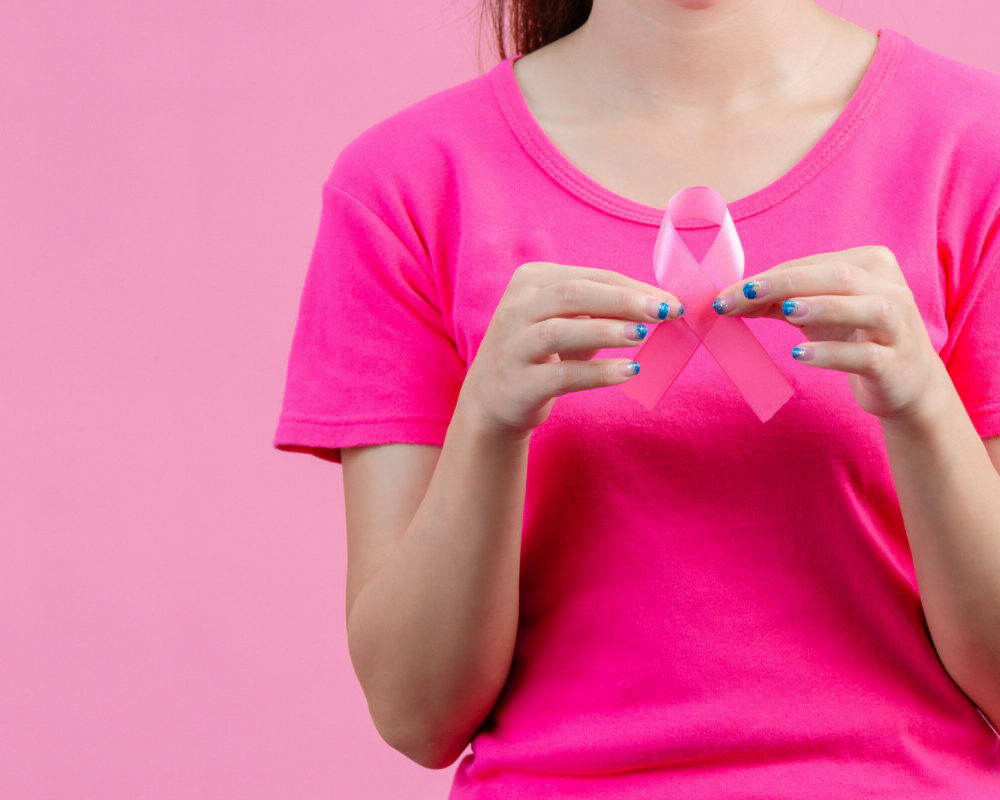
(710, 607)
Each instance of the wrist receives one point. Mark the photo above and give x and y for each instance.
(470, 415)
(929, 411)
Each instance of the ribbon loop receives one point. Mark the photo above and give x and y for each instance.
(730, 341)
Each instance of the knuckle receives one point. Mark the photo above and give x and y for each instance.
(526, 272)
(547, 333)
(562, 376)
(885, 313)
(845, 277)
(871, 358)
(881, 255)
(535, 274)
(568, 293)
(624, 302)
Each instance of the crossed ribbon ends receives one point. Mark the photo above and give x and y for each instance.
(729, 340)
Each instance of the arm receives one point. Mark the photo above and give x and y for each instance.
(860, 316)
(948, 483)
(431, 629)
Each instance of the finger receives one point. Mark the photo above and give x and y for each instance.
(873, 257)
(876, 258)
(613, 278)
(562, 335)
(577, 296)
(876, 315)
(559, 377)
(862, 358)
(579, 355)
(762, 294)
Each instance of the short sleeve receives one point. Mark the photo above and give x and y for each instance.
(972, 351)
(371, 359)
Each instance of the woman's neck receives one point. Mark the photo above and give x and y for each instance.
(651, 58)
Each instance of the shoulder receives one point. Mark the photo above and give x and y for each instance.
(950, 99)
(409, 157)
(944, 126)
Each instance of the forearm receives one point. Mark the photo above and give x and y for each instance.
(432, 633)
(949, 494)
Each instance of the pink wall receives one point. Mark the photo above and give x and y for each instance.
(171, 588)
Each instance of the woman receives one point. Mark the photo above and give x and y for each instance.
(615, 601)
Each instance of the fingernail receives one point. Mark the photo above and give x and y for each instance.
(657, 308)
(802, 353)
(635, 331)
(631, 368)
(680, 311)
(723, 304)
(754, 289)
(794, 308)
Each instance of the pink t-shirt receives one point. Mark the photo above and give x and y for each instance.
(710, 607)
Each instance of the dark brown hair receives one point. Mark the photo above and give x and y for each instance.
(532, 23)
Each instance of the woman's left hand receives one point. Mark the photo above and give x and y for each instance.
(859, 314)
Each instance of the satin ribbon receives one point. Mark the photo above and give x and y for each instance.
(729, 339)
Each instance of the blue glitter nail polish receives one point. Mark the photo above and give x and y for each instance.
(680, 311)
(719, 306)
(788, 307)
(664, 310)
(750, 289)
(635, 367)
(798, 351)
(641, 331)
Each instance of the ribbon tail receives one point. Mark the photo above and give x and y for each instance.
(661, 358)
(748, 365)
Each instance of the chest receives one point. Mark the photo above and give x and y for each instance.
(649, 163)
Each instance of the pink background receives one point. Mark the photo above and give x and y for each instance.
(171, 587)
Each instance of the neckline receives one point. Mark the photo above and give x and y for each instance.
(877, 76)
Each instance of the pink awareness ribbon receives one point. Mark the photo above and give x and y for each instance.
(729, 339)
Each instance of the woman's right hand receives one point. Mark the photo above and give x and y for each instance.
(550, 322)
